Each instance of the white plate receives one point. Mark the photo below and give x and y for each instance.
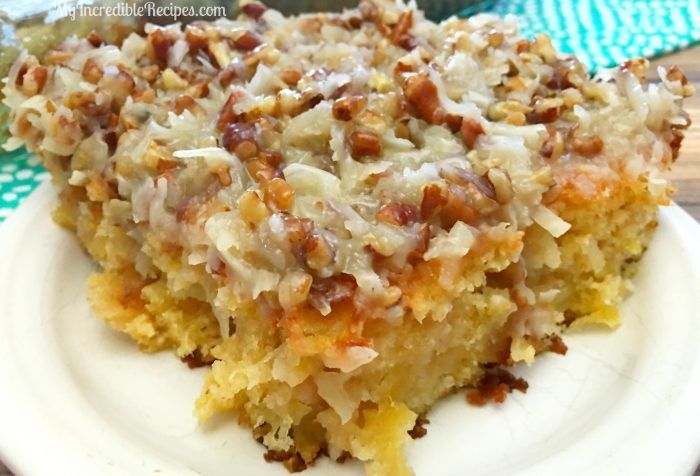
(77, 398)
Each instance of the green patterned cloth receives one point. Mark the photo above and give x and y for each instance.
(601, 33)
(20, 173)
(604, 33)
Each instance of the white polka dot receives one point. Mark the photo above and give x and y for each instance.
(33, 160)
(41, 176)
(9, 168)
(5, 212)
(5, 178)
(21, 188)
(24, 174)
(9, 197)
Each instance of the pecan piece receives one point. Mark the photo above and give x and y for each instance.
(261, 171)
(470, 131)
(326, 292)
(239, 138)
(317, 252)
(92, 71)
(278, 194)
(248, 41)
(161, 41)
(254, 10)
(674, 73)
(253, 209)
(466, 178)
(196, 38)
(422, 94)
(227, 114)
(398, 214)
(587, 145)
(94, 39)
(363, 144)
(120, 86)
(290, 76)
(345, 108)
(399, 33)
(34, 80)
(182, 102)
(298, 229)
(432, 201)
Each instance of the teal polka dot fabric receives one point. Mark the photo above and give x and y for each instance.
(602, 33)
(20, 173)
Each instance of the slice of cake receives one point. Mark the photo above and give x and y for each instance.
(348, 215)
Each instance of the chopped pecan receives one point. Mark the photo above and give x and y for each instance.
(293, 289)
(161, 41)
(149, 72)
(422, 94)
(470, 131)
(638, 67)
(564, 76)
(55, 57)
(92, 71)
(368, 10)
(421, 244)
(182, 102)
(196, 38)
(453, 122)
(278, 194)
(329, 291)
(355, 22)
(248, 41)
(464, 177)
(146, 95)
(433, 200)
(317, 252)
(94, 39)
(345, 108)
(457, 208)
(261, 171)
(502, 185)
(227, 115)
(553, 147)
(239, 138)
(675, 143)
(84, 103)
(399, 33)
(119, 85)
(253, 210)
(271, 157)
(290, 76)
(398, 214)
(34, 79)
(674, 73)
(298, 229)
(451, 205)
(363, 144)
(254, 10)
(495, 39)
(226, 76)
(587, 145)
